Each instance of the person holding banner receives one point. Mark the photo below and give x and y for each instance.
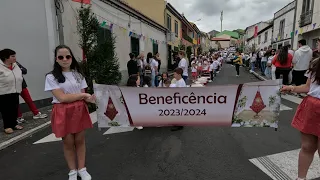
(180, 82)
(306, 119)
(70, 115)
(134, 81)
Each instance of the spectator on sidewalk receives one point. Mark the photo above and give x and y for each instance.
(140, 60)
(301, 62)
(132, 65)
(10, 87)
(268, 71)
(151, 68)
(264, 60)
(283, 64)
(290, 50)
(253, 59)
(183, 64)
(28, 100)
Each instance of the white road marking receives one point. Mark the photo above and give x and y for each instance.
(284, 166)
(292, 98)
(114, 130)
(52, 137)
(285, 108)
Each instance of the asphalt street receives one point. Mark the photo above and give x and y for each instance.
(195, 153)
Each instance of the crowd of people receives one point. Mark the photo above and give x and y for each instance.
(283, 63)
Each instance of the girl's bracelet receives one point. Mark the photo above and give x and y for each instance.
(292, 88)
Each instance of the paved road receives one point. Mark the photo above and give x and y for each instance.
(194, 153)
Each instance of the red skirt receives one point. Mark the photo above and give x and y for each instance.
(194, 74)
(307, 117)
(70, 118)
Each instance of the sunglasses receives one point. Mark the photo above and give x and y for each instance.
(62, 57)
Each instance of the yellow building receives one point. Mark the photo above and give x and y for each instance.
(154, 9)
(173, 25)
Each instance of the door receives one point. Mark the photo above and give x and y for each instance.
(135, 46)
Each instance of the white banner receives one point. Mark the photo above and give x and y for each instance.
(248, 105)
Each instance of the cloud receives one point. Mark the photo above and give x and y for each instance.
(237, 13)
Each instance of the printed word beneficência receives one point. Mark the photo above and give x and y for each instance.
(178, 99)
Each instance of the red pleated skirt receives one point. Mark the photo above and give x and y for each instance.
(307, 117)
(70, 118)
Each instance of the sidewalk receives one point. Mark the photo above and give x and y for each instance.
(30, 127)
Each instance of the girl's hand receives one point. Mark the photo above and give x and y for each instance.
(86, 95)
(92, 99)
(287, 88)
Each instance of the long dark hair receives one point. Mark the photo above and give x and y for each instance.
(283, 55)
(314, 70)
(149, 57)
(164, 79)
(57, 69)
(132, 80)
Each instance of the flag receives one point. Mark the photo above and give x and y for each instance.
(83, 1)
(255, 31)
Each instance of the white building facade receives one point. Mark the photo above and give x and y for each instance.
(307, 22)
(283, 26)
(133, 31)
(30, 28)
(251, 41)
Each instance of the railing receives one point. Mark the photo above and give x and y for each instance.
(187, 38)
(306, 18)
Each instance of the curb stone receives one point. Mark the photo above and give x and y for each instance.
(24, 135)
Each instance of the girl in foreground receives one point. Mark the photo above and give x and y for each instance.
(306, 119)
(134, 81)
(70, 115)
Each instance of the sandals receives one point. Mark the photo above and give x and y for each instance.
(10, 130)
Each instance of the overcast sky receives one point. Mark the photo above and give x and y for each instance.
(237, 13)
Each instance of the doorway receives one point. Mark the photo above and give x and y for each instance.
(135, 47)
(169, 58)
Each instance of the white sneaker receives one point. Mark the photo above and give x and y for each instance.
(73, 175)
(83, 173)
(210, 80)
(139, 127)
(21, 120)
(238, 75)
(40, 116)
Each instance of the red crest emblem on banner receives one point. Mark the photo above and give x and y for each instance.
(111, 111)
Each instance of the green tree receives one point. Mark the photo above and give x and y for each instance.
(98, 45)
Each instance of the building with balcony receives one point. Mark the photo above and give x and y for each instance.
(283, 26)
(196, 39)
(263, 39)
(174, 34)
(205, 42)
(187, 33)
(307, 22)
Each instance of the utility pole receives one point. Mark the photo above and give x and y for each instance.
(221, 19)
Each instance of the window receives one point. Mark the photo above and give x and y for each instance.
(286, 43)
(281, 28)
(259, 39)
(135, 47)
(155, 48)
(266, 37)
(169, 22)
(314, 43)
(306, 13)
(176, 29)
